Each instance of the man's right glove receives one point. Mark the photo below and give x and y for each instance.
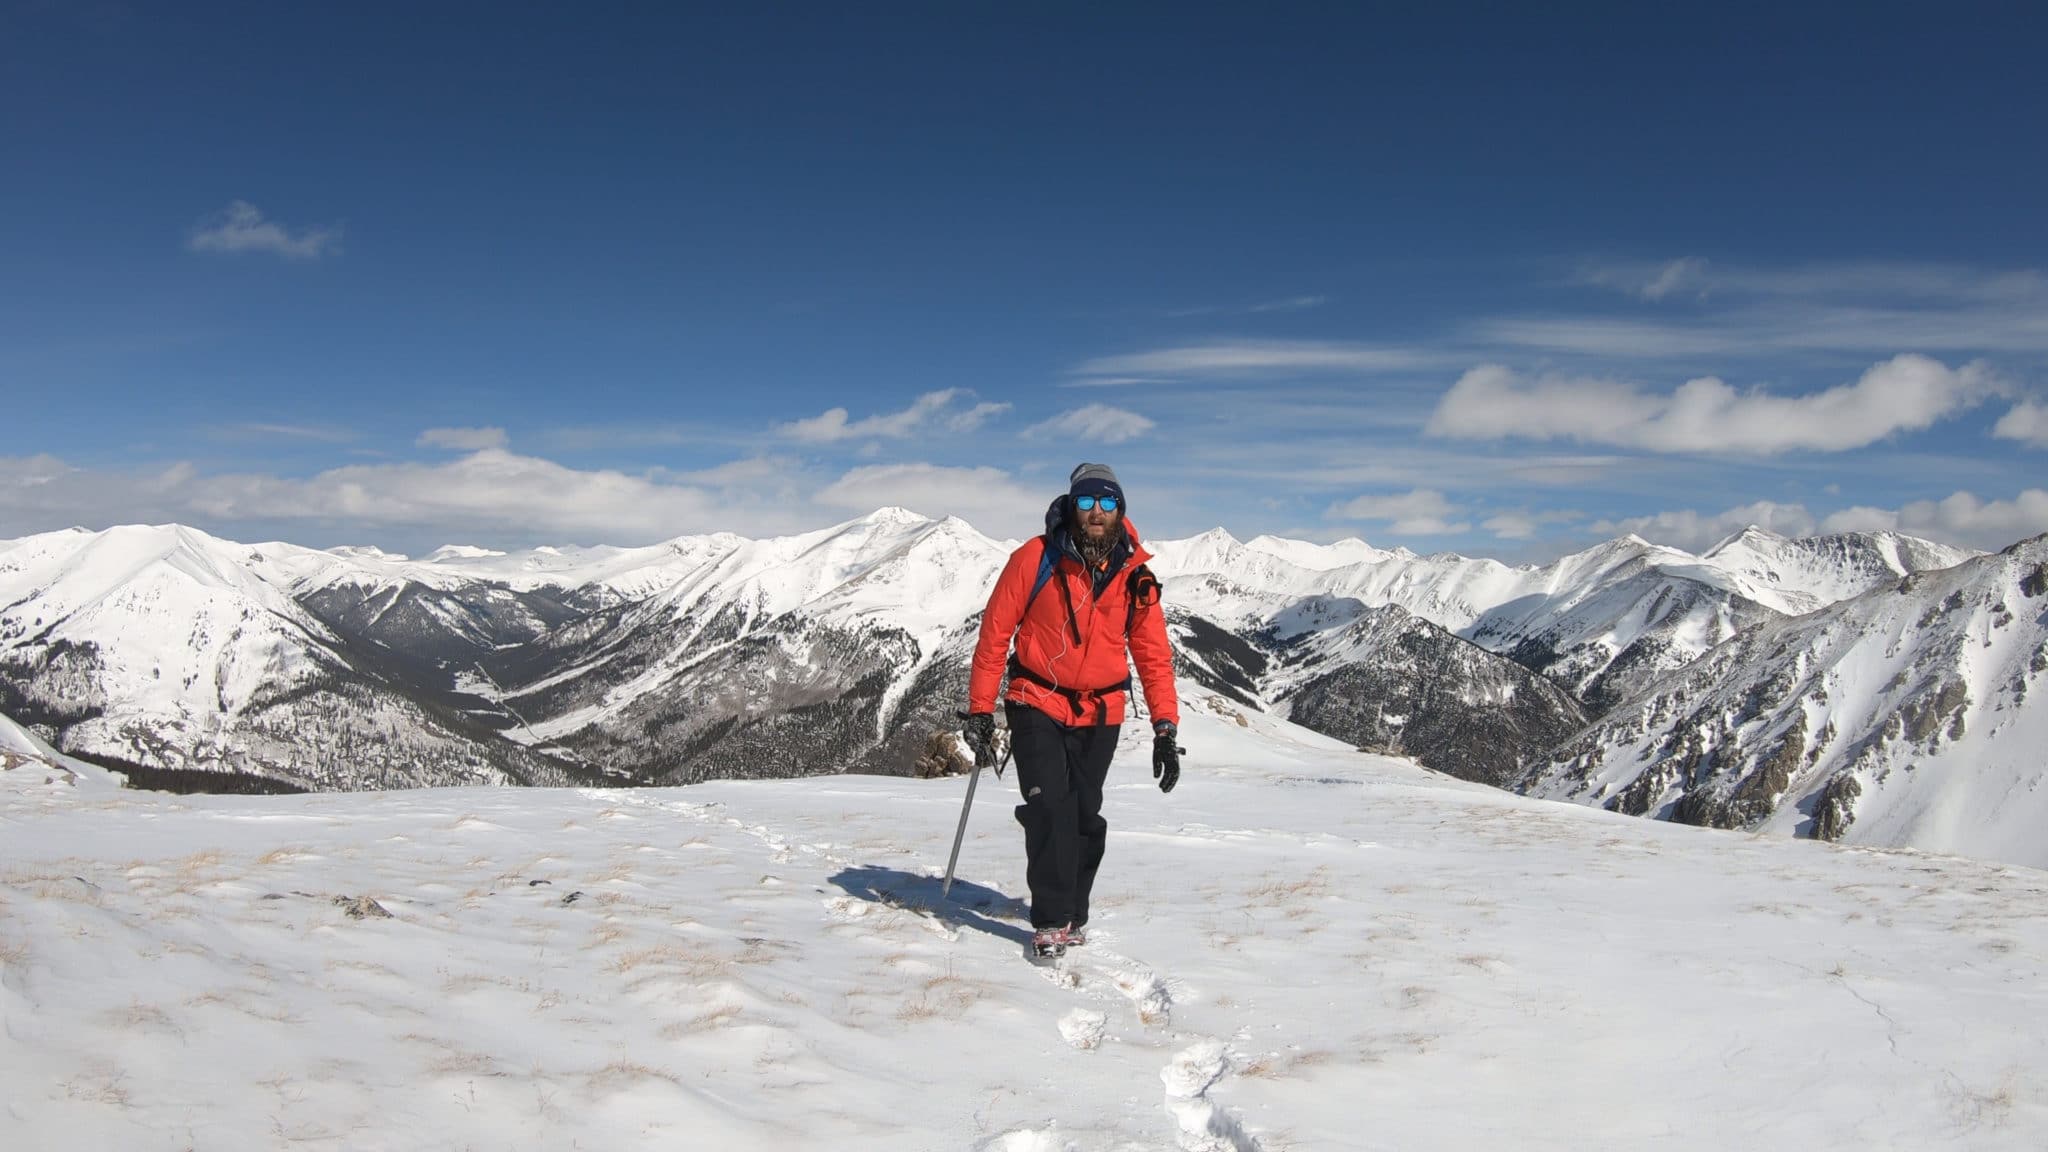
(1166, 754)
(980, 730)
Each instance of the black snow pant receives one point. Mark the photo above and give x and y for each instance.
(1060, 771)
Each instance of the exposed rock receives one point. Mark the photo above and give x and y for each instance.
(1835, 809)
(943, 756)
(1926, 716)
(1754, 797)
(361, 907)
(1411, 688)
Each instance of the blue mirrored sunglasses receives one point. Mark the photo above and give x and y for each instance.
(1088, 503)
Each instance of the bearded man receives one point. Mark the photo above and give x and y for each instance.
(1082, 608)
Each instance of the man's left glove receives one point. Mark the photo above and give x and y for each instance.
(1166, 754)
(980, 730)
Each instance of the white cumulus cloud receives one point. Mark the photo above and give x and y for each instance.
(1962, 518)
(2027, 423)
(490, 492)
(1905, 393)
(241, 227)
(1698, 531)
(989, 498)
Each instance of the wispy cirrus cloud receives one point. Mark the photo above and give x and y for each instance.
(1258, 357)
(1843, 281)
(1113, 381)
(1524, 524)
(1099, 423)
(975, 417)
(1648, 281)
(1904, 393)
(463, 439)
(241, 227)
(1755, 312)
(1263, 307)
(312, 433)
(1421, 512)
(1290, 304)
(931, 410)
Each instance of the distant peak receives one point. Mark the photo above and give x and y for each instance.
(460, 552)
(955, 526)
(893, 516)
(364, 552)
(1750, 535)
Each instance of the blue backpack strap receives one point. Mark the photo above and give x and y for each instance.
(1047, 561)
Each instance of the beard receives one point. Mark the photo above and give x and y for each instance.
(1096, 549)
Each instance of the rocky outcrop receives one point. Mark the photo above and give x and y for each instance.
(1407, 687)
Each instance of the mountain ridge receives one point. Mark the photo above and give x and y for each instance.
(717, 655)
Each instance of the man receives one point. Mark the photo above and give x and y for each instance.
(1075, 600)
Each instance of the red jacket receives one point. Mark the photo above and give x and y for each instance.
(1054, 663)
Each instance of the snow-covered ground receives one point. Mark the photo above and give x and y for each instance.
(1301, 948)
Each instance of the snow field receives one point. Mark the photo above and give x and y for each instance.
(1301, 947)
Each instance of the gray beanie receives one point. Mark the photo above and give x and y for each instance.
(1096, 480)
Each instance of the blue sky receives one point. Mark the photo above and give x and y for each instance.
(1477, 278)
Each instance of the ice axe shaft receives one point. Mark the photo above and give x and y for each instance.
(973, 778)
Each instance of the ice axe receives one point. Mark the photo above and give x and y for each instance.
(972, 778)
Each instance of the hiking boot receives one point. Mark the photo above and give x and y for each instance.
(1049, 943)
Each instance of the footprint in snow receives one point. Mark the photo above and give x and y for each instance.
(1147, 993)
(1028, 1140)
(1194, 1070)
(1203, 1125)
(1083, 1028)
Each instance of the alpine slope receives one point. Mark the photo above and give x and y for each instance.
(1301, 947)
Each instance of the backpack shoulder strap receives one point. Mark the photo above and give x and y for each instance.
(1047, 560)
(1143, 592)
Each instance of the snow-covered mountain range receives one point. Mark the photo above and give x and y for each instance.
(170, 651)
(167, 652)
(1900, 716)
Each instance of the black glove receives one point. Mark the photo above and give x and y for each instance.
(980, 730)
(1166, 754)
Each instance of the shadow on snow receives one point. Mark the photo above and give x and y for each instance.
(970, 906)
